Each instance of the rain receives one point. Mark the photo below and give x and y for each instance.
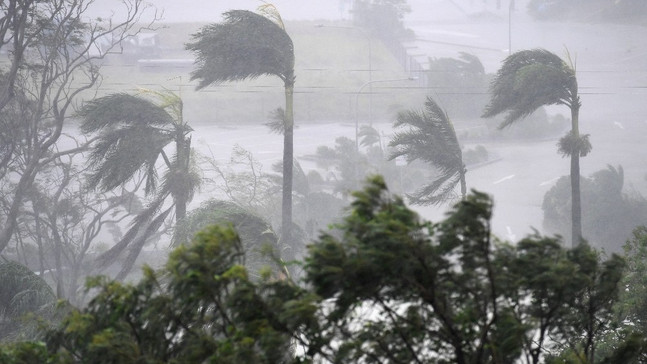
(126, 130)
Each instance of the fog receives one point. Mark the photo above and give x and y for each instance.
(348, 77)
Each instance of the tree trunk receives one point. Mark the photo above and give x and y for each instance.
(183, 147)
(288, 156)
(463, 183)
(576, 205)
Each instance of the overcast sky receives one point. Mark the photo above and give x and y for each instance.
(211, 10)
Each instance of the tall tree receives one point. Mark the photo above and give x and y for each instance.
(132, 134)
(529, 79)
(245, 46)
(429, 136)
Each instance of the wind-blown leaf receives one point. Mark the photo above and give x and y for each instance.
(120, 153)
(431, 138)
(527, 80)
(111, 110)
(246, 45)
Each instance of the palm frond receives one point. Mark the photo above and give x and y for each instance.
(527, 80)
(182, 182)
(167, 100)
(429, 136)
(438, 192)
(121, 152)
(271, 12)
(140, 223)
(368, 136)
(22, 290)
(121, 108)
(471, 64)
(277, 121)
(137, 245)
(245, 46)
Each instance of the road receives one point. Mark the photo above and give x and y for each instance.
(518, 181)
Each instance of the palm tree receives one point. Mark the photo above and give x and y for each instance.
(431, 137)
(528, 80)
(245, 46)
(133, 133)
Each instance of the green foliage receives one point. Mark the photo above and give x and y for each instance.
(260, 243)
(429, 136)
(633, 306)
(611, 213)
(390, 288)
(201, 307)
(402, 290)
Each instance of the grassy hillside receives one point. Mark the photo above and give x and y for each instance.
(331, 66)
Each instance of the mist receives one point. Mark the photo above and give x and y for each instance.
(353, 79)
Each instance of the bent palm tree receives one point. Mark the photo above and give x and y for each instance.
(532, 78)
(133, 132)
(245, 46)
(431, 138)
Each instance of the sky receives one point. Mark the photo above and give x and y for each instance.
(211, 10)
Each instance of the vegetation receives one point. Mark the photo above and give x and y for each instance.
(377, 284)
(248, 45)
(51, 65)
(133, 132)
(528, 80)
(22, 292)
(430, 136)
(611, 212)
(384, 18)
(49, 220)
(460, 84)
(391, 288)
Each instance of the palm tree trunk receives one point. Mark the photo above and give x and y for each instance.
(183, 148)
(463, 184)
(288, 156)
(576, 205)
